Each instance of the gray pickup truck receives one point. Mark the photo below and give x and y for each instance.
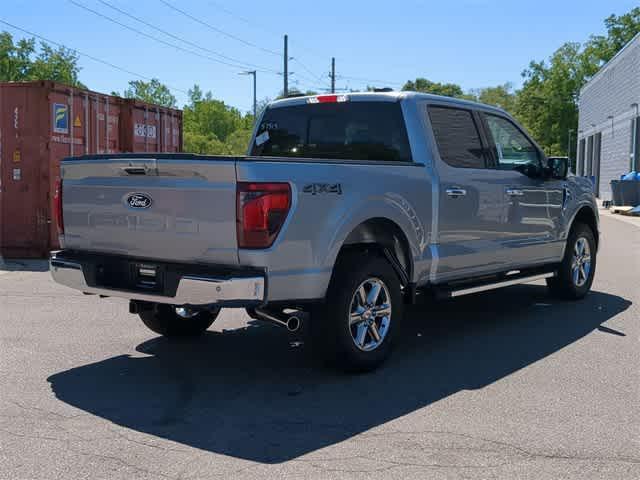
(346, 208)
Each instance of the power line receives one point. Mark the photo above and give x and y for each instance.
(307, 69)
(82, 54)
(250, 22)
(247, 21)
(304, 77)
(242, 19)
(237, 65)
(216, 29)
(259, 25)
(169, 34)
(98, 60)
(360, 79)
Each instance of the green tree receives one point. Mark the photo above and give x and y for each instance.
(620, 30)
(59, 65)
(151, 92)
(501, 96)
(212, 127)
(547, 102)
(436, 88)
(21, 61)
(296, 92)
(203, 144)
(15, 58)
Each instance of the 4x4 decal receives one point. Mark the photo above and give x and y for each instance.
(318, 188)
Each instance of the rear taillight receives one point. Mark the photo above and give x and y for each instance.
(57, 206)
(261, 210)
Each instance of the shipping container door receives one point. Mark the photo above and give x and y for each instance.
(23, 217)
(101, 130)
(111, 127)
(176, 132)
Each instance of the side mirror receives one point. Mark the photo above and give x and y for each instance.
(558, 167)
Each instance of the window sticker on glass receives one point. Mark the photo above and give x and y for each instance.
(262, 138)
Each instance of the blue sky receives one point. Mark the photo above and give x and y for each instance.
(474, 43)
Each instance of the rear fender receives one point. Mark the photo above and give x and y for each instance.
(392, 207)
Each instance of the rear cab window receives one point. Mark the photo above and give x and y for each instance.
(457, 137)
(350, 130)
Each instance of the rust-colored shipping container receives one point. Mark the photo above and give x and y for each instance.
(150, 128)
(43, 122)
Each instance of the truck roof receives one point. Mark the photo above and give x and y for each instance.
(392, 96)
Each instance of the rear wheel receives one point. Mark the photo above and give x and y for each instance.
(575, 274)
(172, 321)
(356, 325)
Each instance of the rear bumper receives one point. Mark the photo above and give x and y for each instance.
(186, 286)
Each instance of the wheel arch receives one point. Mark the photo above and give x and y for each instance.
(587, 216)
(386, 237)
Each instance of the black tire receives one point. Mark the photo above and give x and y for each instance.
(164, 320)
(330, 321)
(564, 285)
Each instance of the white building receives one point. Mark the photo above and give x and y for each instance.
(608, 126)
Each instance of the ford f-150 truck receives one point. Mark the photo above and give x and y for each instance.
(346, 208)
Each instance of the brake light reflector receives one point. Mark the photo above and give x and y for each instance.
(261, 211)
(57, 206)
(328, 99)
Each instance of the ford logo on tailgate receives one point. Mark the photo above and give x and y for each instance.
(139, 200)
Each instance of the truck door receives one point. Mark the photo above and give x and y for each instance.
(470, 210)
(533, 204)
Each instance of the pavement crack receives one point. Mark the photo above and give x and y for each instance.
(46, 412)
(517, 448)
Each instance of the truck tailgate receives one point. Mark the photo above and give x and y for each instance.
(176, 208)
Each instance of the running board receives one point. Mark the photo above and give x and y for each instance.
(517, 280)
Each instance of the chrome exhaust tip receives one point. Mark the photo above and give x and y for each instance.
(291, 322)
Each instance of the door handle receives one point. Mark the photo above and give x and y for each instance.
(456, 192)
(135, 170)
(514, 192)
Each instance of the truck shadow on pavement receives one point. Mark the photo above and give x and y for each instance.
(250, 394)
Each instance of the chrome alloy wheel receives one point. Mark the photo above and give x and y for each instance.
(581, 262)
(370, 315)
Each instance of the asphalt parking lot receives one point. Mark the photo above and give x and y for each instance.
(508, 384)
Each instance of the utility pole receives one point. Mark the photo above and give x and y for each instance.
(255, 98)
(286, 66)
(255, 101)
(333, 75)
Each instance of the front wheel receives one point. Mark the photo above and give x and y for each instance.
(575, 275)
(172, 321)
(361, 315)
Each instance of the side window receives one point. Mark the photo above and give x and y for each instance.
(512, 147)
(457, 137)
